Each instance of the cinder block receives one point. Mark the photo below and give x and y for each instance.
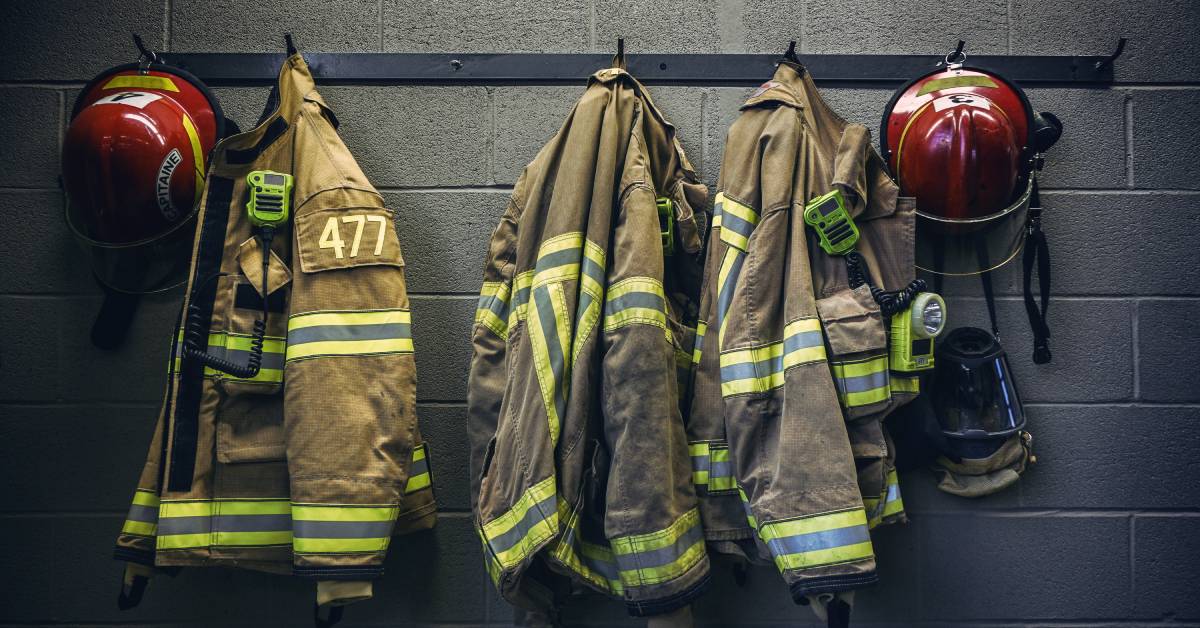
(247, 26)
(908, 26)
(721, 108)
(1169, 350)
(29, 357)
(921, 496)
(1162, 43)
(415, 136)
(1091, 341)
(29, 133)
(445, 429)
(1112, 457)
(1097, 249)
(445, 236)
(528, 117)
(42, 254)
(664, 26)
(489, 26)
(442, 334)
(1166, 550)
(996, 568)
(76, 458)
(860, 106)
(1162, 157)
(61, 40)
(134, 372)
(1091, 152)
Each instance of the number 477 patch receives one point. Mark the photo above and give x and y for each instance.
(340, 238)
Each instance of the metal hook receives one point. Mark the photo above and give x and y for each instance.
(619, 59)
(144, 53)
(1107, 61)
(958, 57)
(291, 47)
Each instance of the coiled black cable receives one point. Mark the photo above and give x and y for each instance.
(194, 344)
(890, 302)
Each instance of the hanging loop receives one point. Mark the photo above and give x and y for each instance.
(1107, 61)
(146, 56)
(956, 58)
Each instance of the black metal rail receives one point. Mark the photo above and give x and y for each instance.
(659, 69)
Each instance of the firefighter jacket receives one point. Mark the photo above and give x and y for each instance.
(310, 466)
(791, 377)
(579, 460)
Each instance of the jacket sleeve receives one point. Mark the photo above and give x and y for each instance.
(659, 551)
(349, 383)
(788, 440)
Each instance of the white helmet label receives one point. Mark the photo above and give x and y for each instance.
(132, 99)
(163, 185)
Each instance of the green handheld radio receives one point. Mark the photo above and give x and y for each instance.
(913, 331)
(666, 224)
(270, 197)
(827, 215)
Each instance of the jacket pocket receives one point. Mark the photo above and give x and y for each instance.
(250, 424)
(858, 356)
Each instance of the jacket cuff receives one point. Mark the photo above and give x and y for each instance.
(830, 584)
(343, 592)
(130, 555)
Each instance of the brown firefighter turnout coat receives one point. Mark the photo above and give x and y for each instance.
(791, 379)
(579, 458)
(309, 467)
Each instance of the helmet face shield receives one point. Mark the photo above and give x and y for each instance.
(970, 247)
(153, 265)
(974, 395)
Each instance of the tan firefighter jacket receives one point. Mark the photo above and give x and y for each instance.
(579, 459)
(791, 377)
(311, 466)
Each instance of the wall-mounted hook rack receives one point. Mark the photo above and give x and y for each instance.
(662, 69)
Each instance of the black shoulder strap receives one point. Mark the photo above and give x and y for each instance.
(1036, 250)
(990, 297)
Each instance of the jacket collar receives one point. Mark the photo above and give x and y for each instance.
(787, 86)
(294, 85)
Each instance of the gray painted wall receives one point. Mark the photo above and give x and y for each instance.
(1105, 530)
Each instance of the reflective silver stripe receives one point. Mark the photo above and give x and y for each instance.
(270, 360)
(663, 555)
(224, 523)
(814, 541)
(318, 333)
(342, 529)
(863, 383)
(146, 514)
(505, 542)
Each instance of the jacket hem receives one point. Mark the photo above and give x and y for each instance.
(830, 584)
(339, 573)
(131, 555)
(671, 603)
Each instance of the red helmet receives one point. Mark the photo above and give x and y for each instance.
(962, 141)
(133, 163)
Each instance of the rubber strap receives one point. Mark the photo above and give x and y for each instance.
(114, 318)
(838, 613)
(131, 595)
(990, 297)
(1037, 250)
(335, 616)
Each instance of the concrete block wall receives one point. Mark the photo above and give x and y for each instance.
(1105, 530)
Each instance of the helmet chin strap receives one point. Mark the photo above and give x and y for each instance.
(833, 608)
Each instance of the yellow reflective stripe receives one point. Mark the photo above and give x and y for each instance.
(550, 303)
(368, 317)
(558, 271)
(183, 541)
(516, 533)
(660, 556)
(493, 568)
(736, 232)
(819, 540)
(636, 300)
(491, 294)
(698, 449)
(893, 504)
(862, 382)
(272, 346)
(144, 81)
(340, 546)
(697, 351)
(746, 507)
(310, 512)
(186, 509)
(330, 333)
(563, 242)
(139, 528)
(419, 453)
(732, 207)
(145, 498)
(595, 255)
(741, 368)
(197, 153)
(580, 556)
(417, 482)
